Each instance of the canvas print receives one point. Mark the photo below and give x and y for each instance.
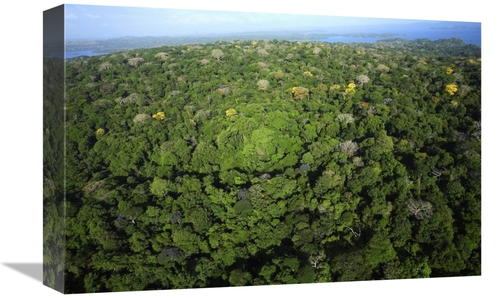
(196, 149)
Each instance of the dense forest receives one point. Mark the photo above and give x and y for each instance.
(272, 162)
(105, 46)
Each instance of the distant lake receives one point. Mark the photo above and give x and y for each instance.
(469, 35)
(73, 54)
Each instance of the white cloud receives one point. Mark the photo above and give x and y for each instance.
(92, 16)
(70, 16)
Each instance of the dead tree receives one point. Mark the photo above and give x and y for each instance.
(420, 209)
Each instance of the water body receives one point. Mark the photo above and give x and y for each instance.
(470, 35)
(73, 54)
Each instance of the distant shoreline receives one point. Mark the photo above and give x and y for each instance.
(81, 48)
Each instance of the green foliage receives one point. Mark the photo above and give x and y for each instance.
(379, 250)
(183, 171)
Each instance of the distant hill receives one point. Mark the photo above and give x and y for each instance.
(131, 42)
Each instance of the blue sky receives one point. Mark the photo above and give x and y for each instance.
(95, 22)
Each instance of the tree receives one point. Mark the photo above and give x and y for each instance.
(139, 118)
(379, 250)
(243, 207)
(175, 217)
(348, 147)
(463, 90)
(170, 254)
(159, 116)
(105, 66)
(344, 118)
(362, 79)
(217, 54)
(129, 216)
(451, 89)
(135, 61)
(263, 84)
(307, 74)
(162, 55)
(262, 52)
(278, 75)
(351, 88)
(263, 65)
(239, 278)
(231, 112)
(419, 208)
(160, 187)
(300, 92)
(223, 90)
(383, 68)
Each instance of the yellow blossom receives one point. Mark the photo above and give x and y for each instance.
(451, 89)
(159, 116)
(300, 92)
(99, 131)
(350, 88)
(231, 112)
(308, 73)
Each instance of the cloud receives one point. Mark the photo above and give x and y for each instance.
(70, 16)
(92, 16)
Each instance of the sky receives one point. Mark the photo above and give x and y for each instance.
(102, 22)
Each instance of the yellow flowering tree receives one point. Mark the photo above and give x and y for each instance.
(159, 116)
(99, 131)
(451, 89)
(308, 73)
(300, 92)
(231, 112)
(350, 88)
(449, 70)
